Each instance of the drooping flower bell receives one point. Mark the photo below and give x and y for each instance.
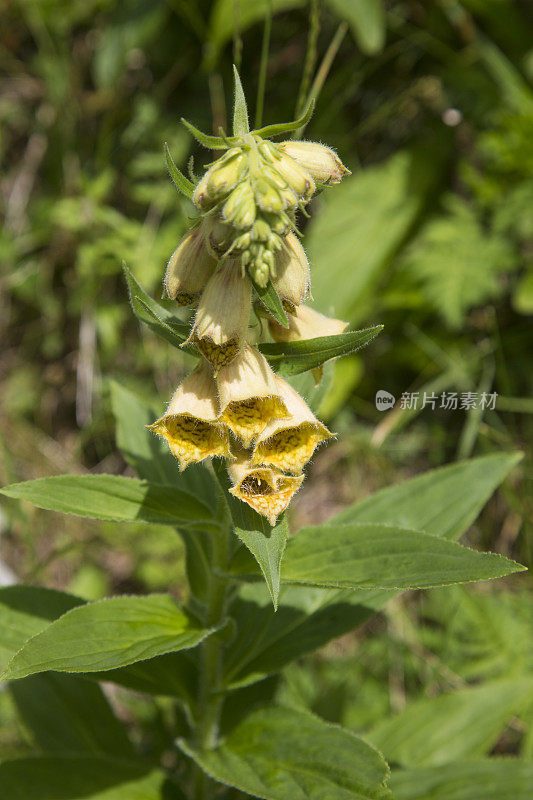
(268, 491)
(250, 396)
(190, 267)
(306, 323)
(221, 321)
(190, 424)
(321, 162)
(289, 443)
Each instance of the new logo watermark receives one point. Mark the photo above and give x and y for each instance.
(449, 401)
(384, 400)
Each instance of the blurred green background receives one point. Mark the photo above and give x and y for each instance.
(430, 104)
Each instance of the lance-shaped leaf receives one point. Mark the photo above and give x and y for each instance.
(308, 618)
(380, 557)
(84, 778)
(182, 184)
(211, 142)
(292, 358)
(27, 610)
(265, 543)
(240, 109)
(282, 754)
(153, 314)
(111, 497)
(106, 635)
(491, 779)
(69, 714)
(271, 300)
(443, 501)
(285, 127)
(460, 725)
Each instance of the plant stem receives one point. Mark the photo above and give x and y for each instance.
(210, 698)
(263, 67)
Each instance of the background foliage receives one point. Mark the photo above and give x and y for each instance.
(431, 106)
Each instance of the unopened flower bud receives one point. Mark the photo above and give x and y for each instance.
(189, 268)
(222, 316)
(264, 489)
(249, 395)
(296, 176)
(225, 174)
(292, 277)
(306, 323)
(268, 196)
(239, 208)
(260, 230)
(190, 424)
(289, 443)
(321, 162)
(220, 179)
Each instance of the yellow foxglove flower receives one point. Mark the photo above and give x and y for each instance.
(292, 278)
(249, 395)
(321, 162)
(189, 268)
(266, 490)
(222, 315)
(289, 443)
(306, 323)
(190, 425)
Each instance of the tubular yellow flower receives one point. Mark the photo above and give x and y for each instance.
(292, 279)
(306, 323)
(266, 490)
(189, 268)
(222, 316)
(190, 424)
(249, 395)
(321, 162)
(289, 443)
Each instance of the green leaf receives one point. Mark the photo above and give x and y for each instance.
(83, 778)
(27, 610)
(309, 618)
(108, 634)
(464, 724)
(363, 223)
(240, 110)
(67, 714)
(443, 502)
(149, 455)
(457, 262)
(265, 543)
(154, 315)
(367, 20)
(111, 497)
(295, 357)
(271, 300)
(182, 184)
(367, 556)
(267, 131)
(211, 142)
(281, 754)
(306, 619)
(493, 779)
(223, 19)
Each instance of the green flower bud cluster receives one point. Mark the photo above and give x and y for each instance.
(249, 197)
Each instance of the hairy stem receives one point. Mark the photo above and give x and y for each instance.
(210, 698)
